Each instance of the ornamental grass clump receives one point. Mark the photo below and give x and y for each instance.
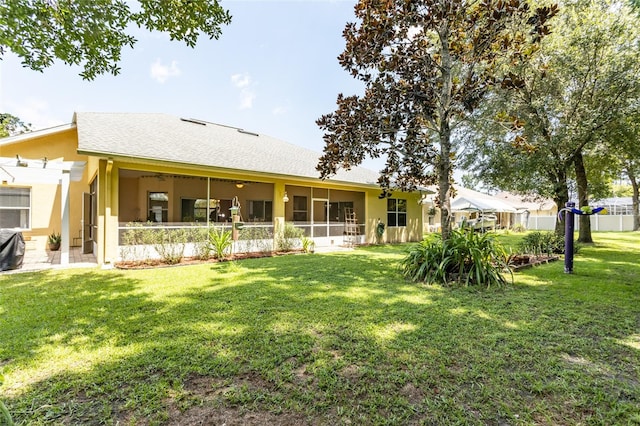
(467, 258)
(221, 242)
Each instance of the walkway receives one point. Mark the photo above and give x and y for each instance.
(38, 260)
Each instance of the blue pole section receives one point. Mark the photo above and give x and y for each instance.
(568, 238)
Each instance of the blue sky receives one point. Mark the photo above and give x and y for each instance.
(273, 71)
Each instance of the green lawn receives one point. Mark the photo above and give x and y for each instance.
(325, 339)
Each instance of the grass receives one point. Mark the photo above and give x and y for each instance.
(325, 339)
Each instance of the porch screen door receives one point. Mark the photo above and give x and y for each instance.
(89, 221)
(319, 216)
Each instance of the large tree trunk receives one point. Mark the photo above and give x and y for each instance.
(444, 163)
(444, 184)
(635, 198)
(560, 196)
(584, 236)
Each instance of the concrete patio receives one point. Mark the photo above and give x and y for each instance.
(38, 260)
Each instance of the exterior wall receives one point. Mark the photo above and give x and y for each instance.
(120, 198)
(45, 199)
(129, 201)
(377, 211)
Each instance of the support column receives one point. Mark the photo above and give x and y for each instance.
(279, 210)
(64, 217)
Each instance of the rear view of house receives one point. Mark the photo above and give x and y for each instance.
(93, 178)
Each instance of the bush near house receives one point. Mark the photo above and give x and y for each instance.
(290, 238)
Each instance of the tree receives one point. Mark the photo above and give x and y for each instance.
(566, 101)
(11, 125)
(632, 169)
(624, 142)
(92, 33)
(426, 66)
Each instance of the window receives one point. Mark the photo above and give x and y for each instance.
(299, 208)
(396, 212)
(15, 208)
(158, 207)
(260, 210)
(195, 209)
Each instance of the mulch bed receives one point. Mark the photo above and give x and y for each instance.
(523, 261)
(159, 263)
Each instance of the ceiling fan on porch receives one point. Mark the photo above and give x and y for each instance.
(158, 176)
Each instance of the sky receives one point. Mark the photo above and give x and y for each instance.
(273, 71)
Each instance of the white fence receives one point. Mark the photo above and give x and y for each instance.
(598, 223)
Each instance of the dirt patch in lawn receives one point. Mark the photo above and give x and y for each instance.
(204, 415)
(210, 407)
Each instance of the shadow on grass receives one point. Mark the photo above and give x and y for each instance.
(320, 339)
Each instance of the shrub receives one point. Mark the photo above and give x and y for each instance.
(290, 237)
(467, 258)
(221, 242)
(518, 227)
(255, 238)
(200, 238)
(543, 243)
(170, 244)
(139, 234)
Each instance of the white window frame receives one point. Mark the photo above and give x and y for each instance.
(20, 208)
(397, 212)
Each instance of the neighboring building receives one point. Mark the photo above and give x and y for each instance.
(510, 210)
(531, 213)
(616, 205)
(91, 178)
(467, 205)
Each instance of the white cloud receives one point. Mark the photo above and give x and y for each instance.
(162, 73)
(279, 110)
(247, 94)
(241, 80)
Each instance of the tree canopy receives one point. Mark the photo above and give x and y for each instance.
(11, 125)
(552, 130)
(426, 66)
(92, 33)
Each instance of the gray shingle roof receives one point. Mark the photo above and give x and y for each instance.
(168, 138)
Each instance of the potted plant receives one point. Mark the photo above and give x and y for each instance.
(54, 241)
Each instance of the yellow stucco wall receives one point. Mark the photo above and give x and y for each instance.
(45, 199)
(377, 211)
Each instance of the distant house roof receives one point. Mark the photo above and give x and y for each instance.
(172, 139)
(469, 200)
(521, 202)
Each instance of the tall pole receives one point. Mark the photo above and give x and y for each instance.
(568, 237)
